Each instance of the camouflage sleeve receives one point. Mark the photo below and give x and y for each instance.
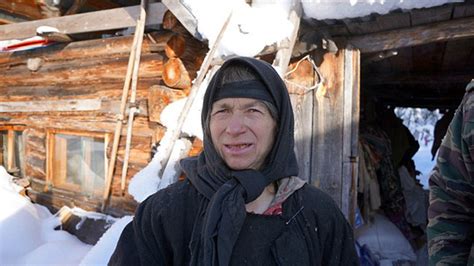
(451, 211)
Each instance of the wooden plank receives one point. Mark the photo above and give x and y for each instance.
(463, 11)
(302, 109)
(437, 32)
(50, 144)
(299, 81)
(350, 133)
(50, 106)
(182, 13)
(10, 150)
(430, 15)
(327, 128)
(116, 18)
(381, 23)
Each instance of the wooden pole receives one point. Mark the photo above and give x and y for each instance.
(192, 95)
(133, 107)
(118, 125)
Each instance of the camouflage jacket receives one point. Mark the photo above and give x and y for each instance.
(451, 211)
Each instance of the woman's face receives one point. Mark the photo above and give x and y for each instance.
(242, 131)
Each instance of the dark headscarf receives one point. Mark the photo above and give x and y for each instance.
(227, 190)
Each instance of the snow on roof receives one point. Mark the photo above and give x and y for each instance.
(251, 28)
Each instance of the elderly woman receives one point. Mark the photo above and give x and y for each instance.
(242, 202)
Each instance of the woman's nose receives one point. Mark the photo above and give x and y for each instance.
(235, 124)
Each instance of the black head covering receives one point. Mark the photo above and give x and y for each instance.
(227, 190)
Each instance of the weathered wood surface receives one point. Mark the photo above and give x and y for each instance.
(436, 32)
(159, 97)
(175, 74)
(79, 121)
(175, 46)
(335, 128)
(26, 8)
(299, 81)
(83, 71)
(350, 149)
(90, 74)
(96, 48)
(327, 129)
(44, 106)
(86, 22)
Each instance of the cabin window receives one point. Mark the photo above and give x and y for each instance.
(12, 149)
(77, 162)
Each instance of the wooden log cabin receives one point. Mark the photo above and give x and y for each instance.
(413, 58)
(59, 106)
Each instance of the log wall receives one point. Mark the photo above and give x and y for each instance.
(84, 72)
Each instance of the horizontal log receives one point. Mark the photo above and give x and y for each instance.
(110, 91)
(96, 48)
(72, 105)
(81, 71)
(55, 106)
(395, 39)
(116, 18)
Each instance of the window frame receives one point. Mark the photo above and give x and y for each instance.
(11, 151)
(50, 163)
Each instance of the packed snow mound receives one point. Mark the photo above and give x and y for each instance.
(37, 239)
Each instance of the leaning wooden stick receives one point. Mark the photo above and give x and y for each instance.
(133, 107)
(118, 126)
(192, 95)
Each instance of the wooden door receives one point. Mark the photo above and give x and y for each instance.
(334, 161)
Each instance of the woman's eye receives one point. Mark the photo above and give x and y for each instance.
(254, 110)
(219, 111)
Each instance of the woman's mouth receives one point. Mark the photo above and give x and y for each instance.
(237, 148)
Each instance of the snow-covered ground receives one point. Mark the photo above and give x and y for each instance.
(28, 237)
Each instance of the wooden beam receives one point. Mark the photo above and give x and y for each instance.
(116, 18)
(45, 106)
(76, 105)
(395, 39)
